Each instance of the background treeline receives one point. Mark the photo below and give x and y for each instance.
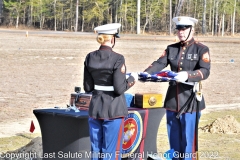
(216, 17)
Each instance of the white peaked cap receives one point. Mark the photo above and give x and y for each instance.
(182, 20)
(108, 28)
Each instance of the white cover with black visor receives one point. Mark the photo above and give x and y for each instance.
(183, 22)
(110, 29)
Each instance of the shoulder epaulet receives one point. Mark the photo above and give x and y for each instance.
(199, 43)
(173, 44)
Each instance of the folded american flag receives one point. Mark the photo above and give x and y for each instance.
(162, 76)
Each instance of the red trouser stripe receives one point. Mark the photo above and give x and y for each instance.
(120, 133)
(145, 123)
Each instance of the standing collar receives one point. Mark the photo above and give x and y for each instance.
(102, 47)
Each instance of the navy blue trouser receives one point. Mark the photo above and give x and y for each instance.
(181, 134)
(106, 138)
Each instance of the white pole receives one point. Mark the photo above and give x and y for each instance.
(138, 16)
(170, 17)
(76, 25)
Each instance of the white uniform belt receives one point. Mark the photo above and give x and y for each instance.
(189, 83)
(103, 88)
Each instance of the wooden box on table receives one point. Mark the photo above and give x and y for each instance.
(148, 100)
(80, 100)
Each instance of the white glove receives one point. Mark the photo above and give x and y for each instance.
(135, 75)
(181, 76)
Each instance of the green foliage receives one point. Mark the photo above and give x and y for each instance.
(14, 7)
(154, 13)
(226, 6)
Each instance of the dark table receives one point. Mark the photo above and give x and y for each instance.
(65, 135)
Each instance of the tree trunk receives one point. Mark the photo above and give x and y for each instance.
(76, 26)
(204, 17)
(213, 14)
(228, 29)
(170, 17)
(43, 21)
(71, 15)
(219, 26)
(62, 19)
(178, 7)
(121, 16)
(138, 16)
(210, 17)
(233, 18)
(83, 20)
(115, 12)
(125, 17)
(17, 20)
(55, 16)
(40, 15)
(147, 15)
(195, 9)
(31, 19)
(216, 18)
(187, 7)
(110, 13)
(24, 16)
(223, 25)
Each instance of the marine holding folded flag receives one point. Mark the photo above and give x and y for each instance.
(190, 60)
(105, 77)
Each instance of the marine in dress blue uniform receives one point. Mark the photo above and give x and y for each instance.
(105, 77)
(191, 60)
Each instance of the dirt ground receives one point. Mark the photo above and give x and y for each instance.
(41, 70)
